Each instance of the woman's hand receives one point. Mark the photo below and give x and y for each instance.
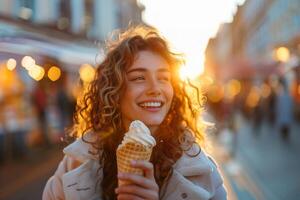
(141, 187)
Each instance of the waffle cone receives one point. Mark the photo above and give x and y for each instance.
(129, 152)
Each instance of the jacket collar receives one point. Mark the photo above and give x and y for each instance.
(81, 150)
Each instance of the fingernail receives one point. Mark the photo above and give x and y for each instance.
(133, 162)
(120, 175)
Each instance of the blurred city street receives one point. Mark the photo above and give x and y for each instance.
(247, 69)
(262, 166)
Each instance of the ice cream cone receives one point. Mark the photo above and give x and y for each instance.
(137, 144)
(127, 153)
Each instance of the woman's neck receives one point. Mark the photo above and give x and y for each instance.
(153, 129)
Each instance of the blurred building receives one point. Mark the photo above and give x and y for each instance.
(218, 51)
(93, 19)
(70, 32)
(260, 46)
(258, 29)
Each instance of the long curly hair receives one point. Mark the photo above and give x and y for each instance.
(99, 108)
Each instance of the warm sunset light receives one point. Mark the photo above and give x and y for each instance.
(191, 69)
(188, 25)
(183, 73)
(189, 72)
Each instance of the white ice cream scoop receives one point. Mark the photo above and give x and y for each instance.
(139, 133)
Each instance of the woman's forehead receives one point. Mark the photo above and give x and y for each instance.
(149, 60)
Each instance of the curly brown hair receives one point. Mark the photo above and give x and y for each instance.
(99, 108)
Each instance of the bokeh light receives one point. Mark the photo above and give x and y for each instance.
(87, 73)
(54, 73)
(37, 73)
(11, 64)
(28, 62)
(216, 93)
(233, 88)
(265, 90)
(253, 97)
(282, 54)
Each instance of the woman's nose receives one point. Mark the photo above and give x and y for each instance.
(154, 88)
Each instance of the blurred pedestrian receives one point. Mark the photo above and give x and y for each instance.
(271, 105)
(284, 109)
(15, 131)
(40, 103)
(2, 132)
(65, 104)
(138, 80)
(2, 137)
(296, 92)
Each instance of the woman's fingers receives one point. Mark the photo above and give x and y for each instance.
(146, 166)
(143, 187)
(137, 191)
(128, 197)
(137, 180)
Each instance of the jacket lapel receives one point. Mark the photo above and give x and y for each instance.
(187, 172)
(81, 183)
(81, 150)
(193, 163)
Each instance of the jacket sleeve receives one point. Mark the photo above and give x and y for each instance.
(220, 191)
(54, 187)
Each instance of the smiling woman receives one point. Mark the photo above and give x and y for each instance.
(138, 80)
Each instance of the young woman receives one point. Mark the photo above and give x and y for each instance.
(138, 80)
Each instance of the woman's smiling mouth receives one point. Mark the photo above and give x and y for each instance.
(151, 105)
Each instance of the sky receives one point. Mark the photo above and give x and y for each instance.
(188, 25)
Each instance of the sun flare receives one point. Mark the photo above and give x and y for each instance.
(188, 25)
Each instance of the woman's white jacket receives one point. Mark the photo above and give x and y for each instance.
(76, 177)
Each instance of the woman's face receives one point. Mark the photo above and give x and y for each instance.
(148, 93)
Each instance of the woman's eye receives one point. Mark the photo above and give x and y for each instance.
(139, 78)
(165, 78)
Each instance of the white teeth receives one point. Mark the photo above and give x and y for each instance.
(151, 104)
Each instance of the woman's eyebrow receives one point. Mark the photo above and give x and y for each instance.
(136, 70)
(163, 69)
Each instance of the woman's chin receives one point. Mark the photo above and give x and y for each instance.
(153, 124)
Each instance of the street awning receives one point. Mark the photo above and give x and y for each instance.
(245, 70)
(72, 55)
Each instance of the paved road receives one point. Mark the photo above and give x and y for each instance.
(273, 163)
(25, 180)
(265, 167)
